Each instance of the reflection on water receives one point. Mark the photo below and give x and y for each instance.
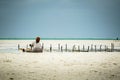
(8, 47)
(9, 51)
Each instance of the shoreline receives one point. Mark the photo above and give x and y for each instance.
(64, 45)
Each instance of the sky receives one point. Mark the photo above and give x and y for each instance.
(60, 18)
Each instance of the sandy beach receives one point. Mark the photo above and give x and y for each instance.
(59, 39)
(60, 65)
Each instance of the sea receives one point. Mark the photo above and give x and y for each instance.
(59, 38)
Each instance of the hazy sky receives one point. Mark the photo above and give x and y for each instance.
(60, 18)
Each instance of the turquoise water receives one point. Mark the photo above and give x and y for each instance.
(59, 38)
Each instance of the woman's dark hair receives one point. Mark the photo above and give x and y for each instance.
(37, 39)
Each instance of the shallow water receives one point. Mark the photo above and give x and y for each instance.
(11, 46)
(8, 47)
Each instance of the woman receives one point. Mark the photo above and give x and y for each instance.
(35, 46)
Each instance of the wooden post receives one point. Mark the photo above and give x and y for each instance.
(83, 48)
(18, 46)
(79, 48)
(61, 49)
(105, 48)
(42, 46)
(58, 47)
(66, 47)
(112, 47)
(88, 48)
(95, 48)
(100, 47)
(50, 47)
(73, 48)
(91, 47)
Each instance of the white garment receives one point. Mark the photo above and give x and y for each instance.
(36, 47)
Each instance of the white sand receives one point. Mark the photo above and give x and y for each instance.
(60, 66)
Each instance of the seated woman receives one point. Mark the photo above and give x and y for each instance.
(35, 46)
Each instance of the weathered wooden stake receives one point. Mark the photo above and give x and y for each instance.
(79, 48)
(105, 48)
(88, 48)
(61, 49)
(100, 47)
(91, 47)
(42, 45)
(73, 48)
(66, 47)
(83, 48)
(112, 47)
(50, 47)
(18, 46)
(95, 48)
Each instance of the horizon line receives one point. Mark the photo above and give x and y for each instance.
(117, 38)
